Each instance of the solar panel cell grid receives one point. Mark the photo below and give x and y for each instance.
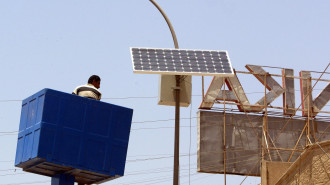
(181, 62)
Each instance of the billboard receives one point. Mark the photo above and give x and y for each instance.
(244, 140)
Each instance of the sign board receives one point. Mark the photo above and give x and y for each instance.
(243, 141)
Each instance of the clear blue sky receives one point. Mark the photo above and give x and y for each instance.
(59, 44)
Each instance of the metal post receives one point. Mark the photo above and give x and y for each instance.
(309, 110)
(264, 139)
(63, 179)
(177, 103)
(175, 40)
(224, 132)
(177, 132)
(265, 120)
(203, 87)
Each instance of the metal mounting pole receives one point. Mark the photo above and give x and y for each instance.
(63, 179)
(224, 131)
(175, 40)
(177, 132)
(177, 103)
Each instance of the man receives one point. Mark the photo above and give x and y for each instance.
(90, 90)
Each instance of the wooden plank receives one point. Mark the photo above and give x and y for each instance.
(289, 92)
(235, 85)
(305, 88)
(212, 93)
(40, 171)
(230, 96)
(91, 176)
(322, 99)
(54, 167)
(260, 73)
(270, 96)
(275, 89)
(30, 163)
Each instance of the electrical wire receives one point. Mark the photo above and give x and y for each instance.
(143, 97)
(139, 160)
(135, 122)
(13, 169)
(8, 132)
(197, 179)
(12, 132)
(148, 121)
(159, 128)
(148, 159)
(12, 174)
(22, 183)
(6, 161)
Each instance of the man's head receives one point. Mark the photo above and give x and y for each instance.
(95, 80)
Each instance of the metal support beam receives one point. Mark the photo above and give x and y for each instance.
(177, 132)
(175, 40)
(177, 102)
(289, 92)
(305, 88)
(224, 134)
(63, 179)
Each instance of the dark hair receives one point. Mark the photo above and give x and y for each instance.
(92, 78)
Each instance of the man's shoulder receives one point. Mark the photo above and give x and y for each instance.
(79, 86)
(88, 87)
(92, 86)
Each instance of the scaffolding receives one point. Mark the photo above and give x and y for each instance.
(267, 134)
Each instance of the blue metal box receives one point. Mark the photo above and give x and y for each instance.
(61, 133)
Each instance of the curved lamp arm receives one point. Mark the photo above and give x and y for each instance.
(176, 45)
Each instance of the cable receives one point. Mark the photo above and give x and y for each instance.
(148, 159)
(151, 121)
(152, 180)
(22, 183)
(153, 155)
(154, 170)
(10, 100)
(13, 169)
(169, 169)
(167, 179)
(119, 98)
(8, 135)
(150, 128)
(13, 174)
(158, 128)
(199, 178)
(302, 102)
(138, 97)
(135, 122)
(8, 132)
(6, 161)
(138, 160)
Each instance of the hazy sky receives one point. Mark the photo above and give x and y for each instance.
(59, 44)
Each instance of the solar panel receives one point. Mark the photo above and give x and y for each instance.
(181, 62)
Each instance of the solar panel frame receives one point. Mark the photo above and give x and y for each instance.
(189, 59)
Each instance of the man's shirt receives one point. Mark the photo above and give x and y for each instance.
(88, 91)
